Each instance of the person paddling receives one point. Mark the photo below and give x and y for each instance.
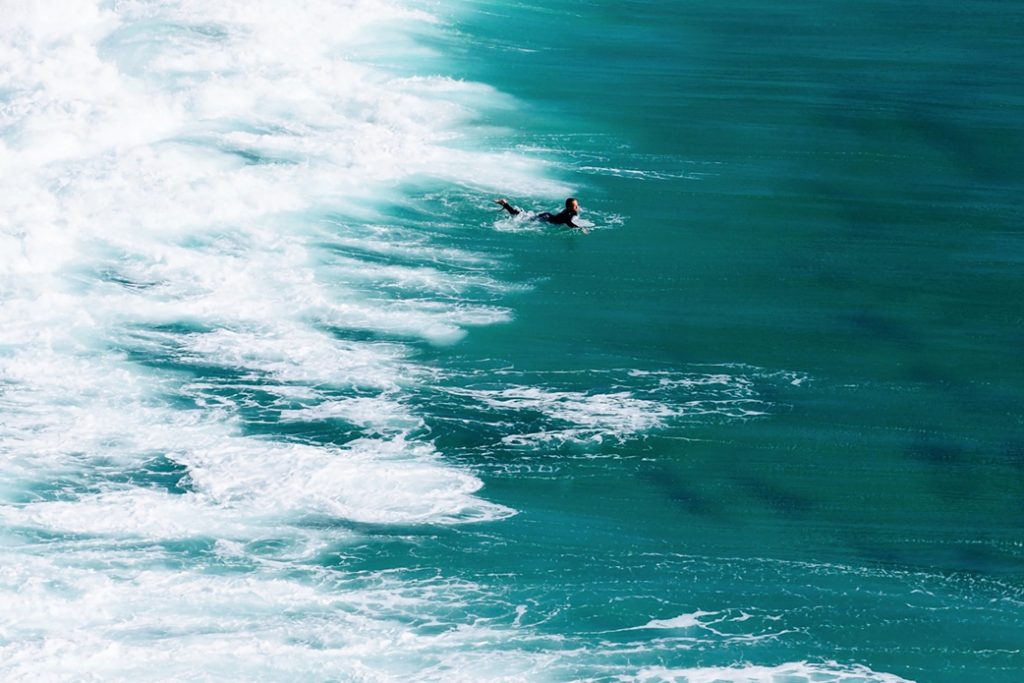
(563, 217)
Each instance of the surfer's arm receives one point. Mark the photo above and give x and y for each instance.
(508, 207)
(581, 228)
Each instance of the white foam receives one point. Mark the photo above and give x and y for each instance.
(164, 162)
(682, 621)
(135, 513)
(299, 354)
(592, 416)
(370, 480)
(418, 279)
(794, 672)
(640, 174)
(120, 616)
(107, 420)
(619, 404)
(370, 413)
(387, 241)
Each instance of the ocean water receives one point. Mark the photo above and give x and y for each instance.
(285, 397)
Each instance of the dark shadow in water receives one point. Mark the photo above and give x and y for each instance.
(949, 469)
(686, 498)
(885, 328)
(1014, 453)
(872, 552)
(937, 454)
(981, 557)
(774, 496)
(970, 154)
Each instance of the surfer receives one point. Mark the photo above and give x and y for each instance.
(563, 217)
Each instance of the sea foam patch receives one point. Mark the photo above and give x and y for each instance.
(618, 405)
(79, 429)
(795, 672)
(104, 610)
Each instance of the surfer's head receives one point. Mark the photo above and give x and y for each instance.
(572, 205)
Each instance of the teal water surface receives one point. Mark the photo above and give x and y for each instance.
(830, 191)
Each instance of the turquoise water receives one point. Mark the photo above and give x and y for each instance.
(286, 397)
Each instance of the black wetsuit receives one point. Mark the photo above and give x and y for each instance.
(563, 217)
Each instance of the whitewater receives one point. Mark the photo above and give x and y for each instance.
(191, 207)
